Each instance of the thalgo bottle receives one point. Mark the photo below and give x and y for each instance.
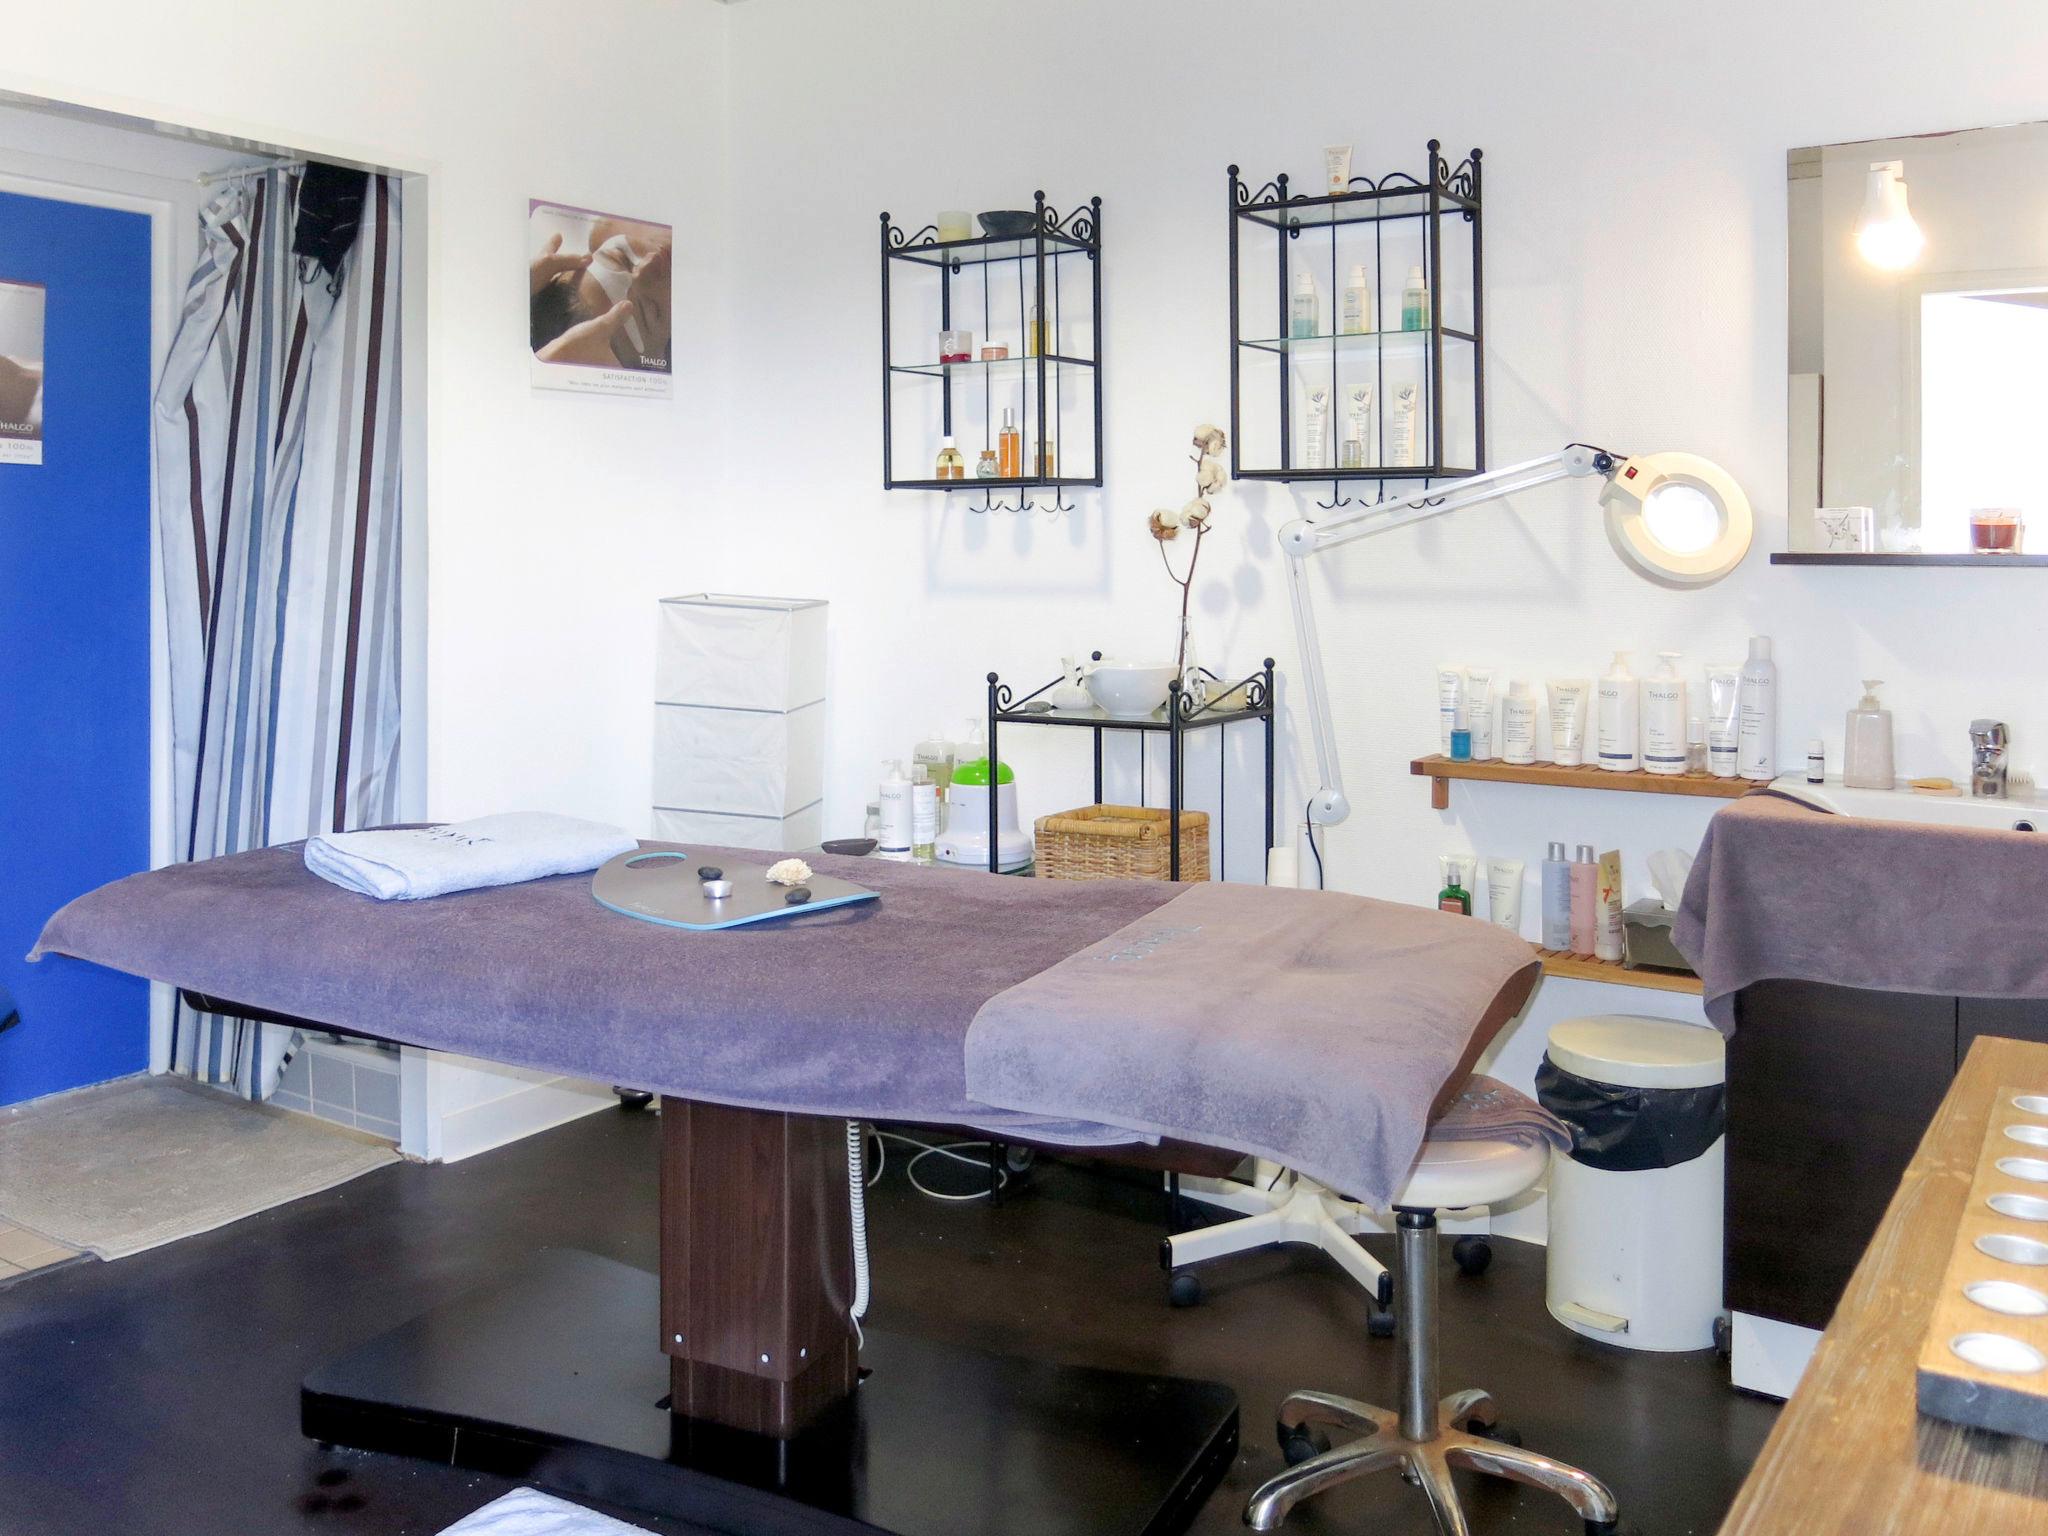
(894, 799)
(1518, 725)
(1756, 725)
(1619, 696)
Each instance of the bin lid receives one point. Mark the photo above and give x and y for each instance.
(1634, 1052)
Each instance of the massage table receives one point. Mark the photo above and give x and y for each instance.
(1317, 1029)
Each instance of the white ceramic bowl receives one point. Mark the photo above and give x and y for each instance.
(1129, 691)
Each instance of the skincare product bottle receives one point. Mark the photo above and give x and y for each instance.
(1816, 761)
(1756, 739)
(1044, 460)
(1453, 897)
(1337, 169)
(1867, 743)
(1010, 447)
(1571, 700)
(1034, 333)
(1461, 745)
(985, 467)
(1695, 745)
(1415, 302)
(1724, 691)
(951, 465)
(1358, 444)
(924, 816)
(956, 346)
(1450, 699)
(1557, 900)
(1504, 893)
(1303, 318)
(935, 756)
(1664, 717)
(1356, 315)
(1478, 713)
(1518, 724)
(1401, 445)
(1585, 900)
(1607, 936)
(1619, 698)
(1316, 450)
(894, 798)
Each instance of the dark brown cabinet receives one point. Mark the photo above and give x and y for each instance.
(1829, 1091)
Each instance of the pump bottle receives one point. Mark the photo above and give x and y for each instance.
(1663, 705)
(1620, 697)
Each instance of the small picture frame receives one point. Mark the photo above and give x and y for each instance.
(1845, 530)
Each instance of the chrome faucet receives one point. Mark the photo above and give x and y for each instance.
(1988, 742)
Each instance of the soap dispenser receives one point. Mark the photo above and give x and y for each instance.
(1867, 754)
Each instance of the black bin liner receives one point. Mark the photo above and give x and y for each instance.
(1629, 1130)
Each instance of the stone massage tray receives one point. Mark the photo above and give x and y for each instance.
(663, 886)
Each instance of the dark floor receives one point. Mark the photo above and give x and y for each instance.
(160, 1393)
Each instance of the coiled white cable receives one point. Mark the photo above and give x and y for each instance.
(857, 1182)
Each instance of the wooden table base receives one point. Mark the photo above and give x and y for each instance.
(756, 1266)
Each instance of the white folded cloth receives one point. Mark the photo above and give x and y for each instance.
(407, 863)
(528, 1512)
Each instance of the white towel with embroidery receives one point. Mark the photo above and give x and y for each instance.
(408, 863)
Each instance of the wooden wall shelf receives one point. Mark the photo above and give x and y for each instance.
(1557, 962)
(1440, 770)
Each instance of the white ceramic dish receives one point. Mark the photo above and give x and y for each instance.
(1127, 690)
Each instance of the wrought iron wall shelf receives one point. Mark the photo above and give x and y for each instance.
(1249, 698)
(1385, 226)
(1039, 294)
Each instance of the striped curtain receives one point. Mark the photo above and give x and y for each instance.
(277, 471)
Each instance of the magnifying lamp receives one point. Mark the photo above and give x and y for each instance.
(1676, 518)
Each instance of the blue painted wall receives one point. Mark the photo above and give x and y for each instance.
(74, 640)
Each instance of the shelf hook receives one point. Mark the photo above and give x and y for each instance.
(1337, 499)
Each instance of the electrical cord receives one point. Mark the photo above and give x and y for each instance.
(950, 1150)
(1309, 830)
(856, 1165)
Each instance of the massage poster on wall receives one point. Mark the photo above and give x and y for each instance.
(598, 294)
(21, 372)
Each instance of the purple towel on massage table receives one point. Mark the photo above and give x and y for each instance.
(1781, 890)
(860, 1011)
(1309, 1027)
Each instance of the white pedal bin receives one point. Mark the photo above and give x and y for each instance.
(1635, 1255)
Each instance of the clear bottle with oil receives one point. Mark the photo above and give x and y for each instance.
(1010, 447)
(952, 466)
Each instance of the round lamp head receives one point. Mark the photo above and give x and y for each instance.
(1677, 518)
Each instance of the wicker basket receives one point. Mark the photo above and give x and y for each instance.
(1120, 842)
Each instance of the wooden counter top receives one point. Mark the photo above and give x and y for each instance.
(1850, 1454)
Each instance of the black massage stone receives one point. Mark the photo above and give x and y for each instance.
(710, 872)
(798, 896)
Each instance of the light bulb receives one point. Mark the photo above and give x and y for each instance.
(1886, 234)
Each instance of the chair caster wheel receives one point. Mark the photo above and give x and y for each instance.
(1184, 1289)
(1499, 1433)
(1472, 1254)
(1300, 1443)
(1380, 1325)
(1724, 1336)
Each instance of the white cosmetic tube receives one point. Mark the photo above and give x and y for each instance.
(1504, 893)
(1724, 696)
(1571, 700)
(1518, 724)
(1450, 700)
(1479, 711)
(1317, 452)
(1337, 168)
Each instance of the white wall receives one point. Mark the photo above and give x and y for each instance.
(1636, 296)
(555, 521)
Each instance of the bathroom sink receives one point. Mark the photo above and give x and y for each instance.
(2020, 812)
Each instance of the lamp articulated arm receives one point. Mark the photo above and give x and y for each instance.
(1301, 538)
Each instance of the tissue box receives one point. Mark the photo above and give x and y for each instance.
(1646, 938)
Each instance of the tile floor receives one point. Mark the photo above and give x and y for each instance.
(23, 1252)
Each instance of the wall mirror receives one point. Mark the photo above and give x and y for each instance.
(1919, 319)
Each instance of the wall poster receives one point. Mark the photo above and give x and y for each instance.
(598, 296)
(21, 372)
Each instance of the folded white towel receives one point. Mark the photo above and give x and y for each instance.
(531, 1513)
(407, 863)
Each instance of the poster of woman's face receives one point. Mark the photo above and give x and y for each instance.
(21, 372)
(598, 291)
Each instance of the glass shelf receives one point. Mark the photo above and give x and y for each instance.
(985, 249)
(994, 368)
(1393, 343)
(1352, 208)
(993, 482)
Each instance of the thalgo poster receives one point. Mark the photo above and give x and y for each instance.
(598, 292)
(21, 372)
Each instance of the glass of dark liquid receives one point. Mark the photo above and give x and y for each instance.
(1996, 530)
